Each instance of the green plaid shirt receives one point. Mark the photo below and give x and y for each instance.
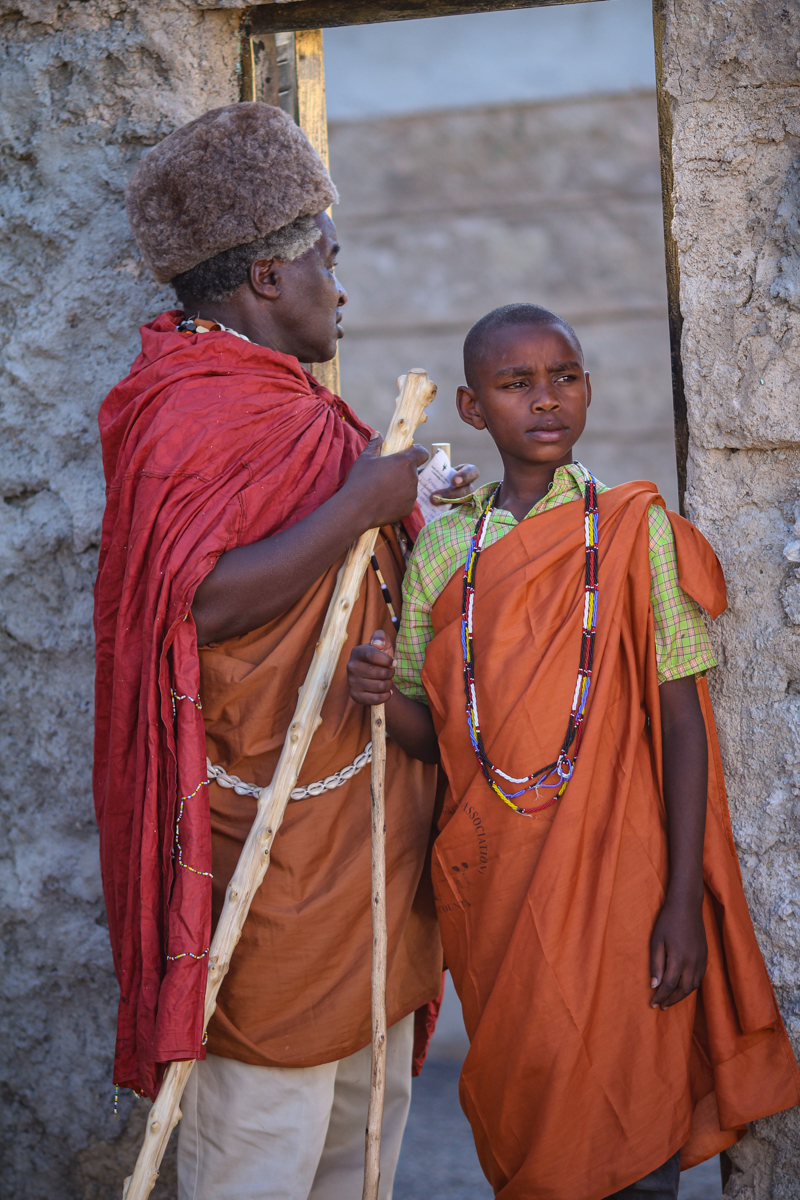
(682, 643)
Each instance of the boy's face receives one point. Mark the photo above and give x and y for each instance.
(530, 391)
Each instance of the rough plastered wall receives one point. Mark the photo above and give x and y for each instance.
(84, 88)
(732, 72)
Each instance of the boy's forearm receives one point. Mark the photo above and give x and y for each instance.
(410, 724)
(685, 759)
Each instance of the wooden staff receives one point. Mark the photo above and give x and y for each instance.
(416, 393)
(380, 949)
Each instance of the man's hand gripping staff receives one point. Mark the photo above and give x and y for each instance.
(416, 393)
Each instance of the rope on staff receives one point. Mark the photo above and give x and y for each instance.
(380, 949)
(416, 393)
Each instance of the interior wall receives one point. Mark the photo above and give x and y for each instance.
(515, 56)
(444, 216)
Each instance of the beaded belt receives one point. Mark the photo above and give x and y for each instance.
(220, 775)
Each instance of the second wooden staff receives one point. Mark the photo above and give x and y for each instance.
(380, 949)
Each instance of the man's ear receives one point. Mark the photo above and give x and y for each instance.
(588, 389)
(469, 408)
(265, 278)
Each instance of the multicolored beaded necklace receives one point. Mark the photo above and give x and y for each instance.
(562, 769)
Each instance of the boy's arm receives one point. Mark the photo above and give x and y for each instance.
(678, 948)
(369, 674)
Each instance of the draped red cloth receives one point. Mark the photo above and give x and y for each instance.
(211, 442)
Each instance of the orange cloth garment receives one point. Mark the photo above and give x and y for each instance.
(298, 990)
(573, 1085)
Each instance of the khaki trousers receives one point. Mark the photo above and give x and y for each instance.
(290, 1133)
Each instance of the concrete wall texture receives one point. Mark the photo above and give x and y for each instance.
(84, 88)
(731, 72)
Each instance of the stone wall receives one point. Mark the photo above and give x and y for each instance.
(83, 89)
(731, 71)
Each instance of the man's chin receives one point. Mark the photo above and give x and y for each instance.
(326, 354)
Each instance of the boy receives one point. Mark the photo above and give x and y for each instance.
(621, 1020)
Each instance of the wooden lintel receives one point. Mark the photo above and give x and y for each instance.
(327, 14)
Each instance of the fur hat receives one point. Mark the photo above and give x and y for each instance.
(232, 176)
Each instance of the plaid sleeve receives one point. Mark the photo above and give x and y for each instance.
(439, 551)
(416, 630)
(683, 646)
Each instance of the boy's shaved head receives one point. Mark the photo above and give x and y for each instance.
(479, 337)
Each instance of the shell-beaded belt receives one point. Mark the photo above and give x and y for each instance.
(220, 775)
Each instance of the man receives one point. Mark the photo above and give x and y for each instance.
(236, 484)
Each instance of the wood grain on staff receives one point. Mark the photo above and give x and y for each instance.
(380, 952)
(416, 393)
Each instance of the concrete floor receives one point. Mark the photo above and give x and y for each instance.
(438, 1159)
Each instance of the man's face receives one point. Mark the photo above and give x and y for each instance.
(311, 300)
(530, 391)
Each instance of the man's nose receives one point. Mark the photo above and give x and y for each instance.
(342, 295)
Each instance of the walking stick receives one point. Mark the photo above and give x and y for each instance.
(380, 945)
(416, 393)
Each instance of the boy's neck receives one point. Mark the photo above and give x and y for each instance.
(525, 484)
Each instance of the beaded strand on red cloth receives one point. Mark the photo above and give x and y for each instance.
(563, 768)
(178, 850)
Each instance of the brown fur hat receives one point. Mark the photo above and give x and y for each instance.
(233, 175)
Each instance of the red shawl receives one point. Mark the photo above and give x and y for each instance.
(211, 442)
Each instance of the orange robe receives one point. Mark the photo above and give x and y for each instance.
(573, 1085)
(298, 989)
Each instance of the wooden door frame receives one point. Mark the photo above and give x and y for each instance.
(304, 16)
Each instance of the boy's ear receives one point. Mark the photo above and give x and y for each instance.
(588, 389)
(469, 408)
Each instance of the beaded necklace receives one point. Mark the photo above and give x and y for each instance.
(562, 769)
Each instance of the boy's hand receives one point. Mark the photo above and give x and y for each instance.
(461, 485)
(370, 671)
(678, 951)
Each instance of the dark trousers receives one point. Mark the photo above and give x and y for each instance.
(661, 1184)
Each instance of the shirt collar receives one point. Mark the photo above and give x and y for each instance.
(566, 478)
